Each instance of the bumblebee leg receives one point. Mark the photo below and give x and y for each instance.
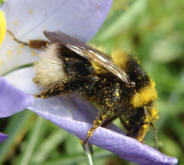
(155, 135)
(110, 105)
(96, 123)
(106, 122)
(76, 86)
(48, 93)
(17, 40)
(110, 120)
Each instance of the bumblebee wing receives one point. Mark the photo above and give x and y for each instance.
(87, 52)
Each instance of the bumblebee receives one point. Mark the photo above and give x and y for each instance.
(117, 84)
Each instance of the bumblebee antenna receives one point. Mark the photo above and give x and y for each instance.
(17, 40)
(35, 44)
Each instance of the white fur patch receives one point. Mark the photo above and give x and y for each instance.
(49, 68)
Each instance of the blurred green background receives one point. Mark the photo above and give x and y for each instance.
(152, 30)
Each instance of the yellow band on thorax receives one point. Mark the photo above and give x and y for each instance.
(2, 26)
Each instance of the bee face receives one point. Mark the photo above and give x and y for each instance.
(74, 68)
(137, 122)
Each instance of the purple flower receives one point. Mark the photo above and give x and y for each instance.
(3, 137)
(81, 19)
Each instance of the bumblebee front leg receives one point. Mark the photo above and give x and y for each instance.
(75, 86)
(49, 93)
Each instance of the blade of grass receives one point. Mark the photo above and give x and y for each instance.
(15, 125)
(76, 158)
(32, 142)
(124, 21)
(48, 146)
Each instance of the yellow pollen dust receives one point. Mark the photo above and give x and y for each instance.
(154, 114)
(142, 132)
(2, 27)
(117, 94)
(103, 117)
(126, 121)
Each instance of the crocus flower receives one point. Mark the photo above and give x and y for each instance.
(81, 19)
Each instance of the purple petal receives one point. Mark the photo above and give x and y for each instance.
(3, 137)
(12, 100)
(79, 18)
(123, 146)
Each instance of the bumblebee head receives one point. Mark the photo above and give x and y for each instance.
(138, 122)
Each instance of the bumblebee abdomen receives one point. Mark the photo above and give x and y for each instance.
(140, 110)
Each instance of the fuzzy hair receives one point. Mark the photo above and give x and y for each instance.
(49, 68)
